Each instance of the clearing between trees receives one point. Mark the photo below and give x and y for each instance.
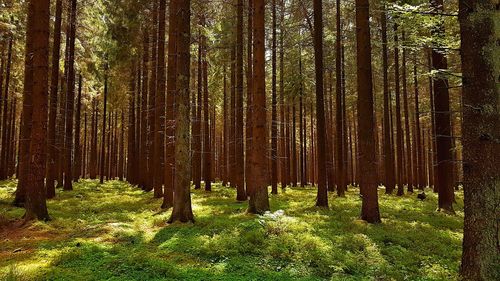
(116, 231)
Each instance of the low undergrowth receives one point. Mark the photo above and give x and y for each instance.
(117, 232)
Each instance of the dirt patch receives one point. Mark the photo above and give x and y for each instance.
(20, 238)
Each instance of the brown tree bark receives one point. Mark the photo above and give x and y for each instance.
(399, 127)
(322, 197)
(389, 167)
(37, 63)
(259, 201)
(131, 136)
(173, 38)
(70, 102)
(481, 139)
(224, 165)
(27, 110)
(367, 157)
(239, 176)
(418, 129)
(443, 121)
(197, 139)
(408, 155)
(340, 134)
(182, 210)
(159, 133)
(85, 146)
(207, 151)
(143, 145)
(103, 137)
(2, 66)
(78, 148)
(249, 115)
(302, 127)
(11, 136)
(4, 153)
(294, 147)
(93, 141)
(274, 121)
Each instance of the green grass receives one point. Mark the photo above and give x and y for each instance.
(117, 232)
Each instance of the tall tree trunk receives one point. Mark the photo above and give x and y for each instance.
(159, 134)
(367, 157)
(302, 126)
(399, 126)
(11, 136)
(322, 197)
(37, 63)
(207, 152)
(131, 136)
(340, 134)
(249, 115)
(4, 154)
(27, 110)
(197, 157)
(481, 139)
(70, 103)
(85, 147)
(274, 121)
(239, 171)
(389, 167)
(259, 201)
(2, 66)
(443, 120)
(408, 156)
(418, 129)
(93, 142)
(144, 152)
(224, 165)
(103, 138)
(173, 37)
(121, 152)
(294, 146)
(182, 210)
(78, 149)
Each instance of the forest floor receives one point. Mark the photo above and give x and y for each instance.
(118, 232)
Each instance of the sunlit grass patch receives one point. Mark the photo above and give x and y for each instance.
(116, 231)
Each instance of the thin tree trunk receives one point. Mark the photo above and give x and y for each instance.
(78, 149)
(239, 165)
(399, 127)
(170, 125)
(207, 152)
(152, 104)
(274, 121)
(340, 134)
(103, 138)
(418, 140)
(131, 136)
(322, 197)
(70, 103)
(408, 156)
(389, 167)
(85, 147)
(159, 133)
(4, 154)
(144, 152)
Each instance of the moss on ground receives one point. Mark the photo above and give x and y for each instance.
(117, 232)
